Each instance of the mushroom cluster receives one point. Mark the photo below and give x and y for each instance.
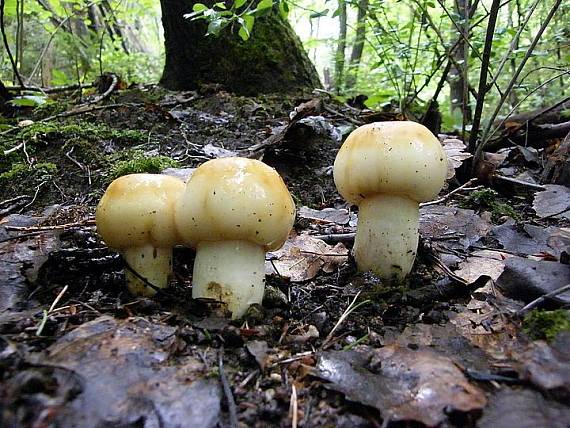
(387, 169)
(233, 211)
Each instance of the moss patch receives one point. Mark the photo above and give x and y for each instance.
(136, 162)
(546, 324)
(489, 199)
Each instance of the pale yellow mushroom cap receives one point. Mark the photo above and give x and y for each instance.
(398, 158)
(138, 209)
(235, 199)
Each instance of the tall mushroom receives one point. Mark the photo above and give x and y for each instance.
(136, 217)
(234, 210)
(387, 169)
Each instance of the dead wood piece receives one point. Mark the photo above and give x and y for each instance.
(557, 168)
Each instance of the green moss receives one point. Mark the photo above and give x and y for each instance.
(488, 199)
(135, 162)
(546, 324)
(77, 130)
(34, 173)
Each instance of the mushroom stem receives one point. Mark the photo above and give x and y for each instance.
(152, 263)
(387, 236)
(232, 272)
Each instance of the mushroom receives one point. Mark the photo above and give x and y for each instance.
(387, 169)
(234, 210)
(136, 217)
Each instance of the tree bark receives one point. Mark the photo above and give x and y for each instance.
(271, 61)
(341, 47)
(358, 46)
(458, 76)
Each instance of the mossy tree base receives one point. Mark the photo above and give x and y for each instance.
(272, 60)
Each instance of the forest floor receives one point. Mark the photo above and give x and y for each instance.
(453, 347)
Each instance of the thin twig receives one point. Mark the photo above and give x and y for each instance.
(532, 186)
(86, 222)
(541, 299)
(350, 309)
(294, 407)
(227, 391)
(450, 194)
(49, 311)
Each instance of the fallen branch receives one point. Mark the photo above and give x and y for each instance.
(541, 299)
(51, 90)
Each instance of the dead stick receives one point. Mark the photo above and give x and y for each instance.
(450, 194)
(227, 391)
(541, 299)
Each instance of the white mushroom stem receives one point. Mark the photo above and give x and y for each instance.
(232, 272)
(153, 264)
(387, 236)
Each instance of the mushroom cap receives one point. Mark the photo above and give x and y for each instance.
(138, 209)
(402, 158)
(235, 199)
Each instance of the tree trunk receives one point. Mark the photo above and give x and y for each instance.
(341, 47)
(358, 46)
(457, 77)
(272, 60)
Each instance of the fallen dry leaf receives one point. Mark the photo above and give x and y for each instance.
(303, 256)
(482, 262)
(456, 151)
(554, 200)
(403, 384)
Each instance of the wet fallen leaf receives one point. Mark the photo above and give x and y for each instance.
(327, 215)
(527, 279)
(21, 260)
(446, 339)
(554, 200)
(126, 372)
(532, 240)
(303, 256)
(403, 384)
(523, 408)
(452, 230)
(218, 152)
(547, 366)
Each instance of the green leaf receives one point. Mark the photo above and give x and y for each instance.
(264, 4)
(283, 9)
(243, 33)
(10, 8)
(319, 14)
(199, 7)
(215, 26)
(28, 101)
(238, 3)
(220, 5)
